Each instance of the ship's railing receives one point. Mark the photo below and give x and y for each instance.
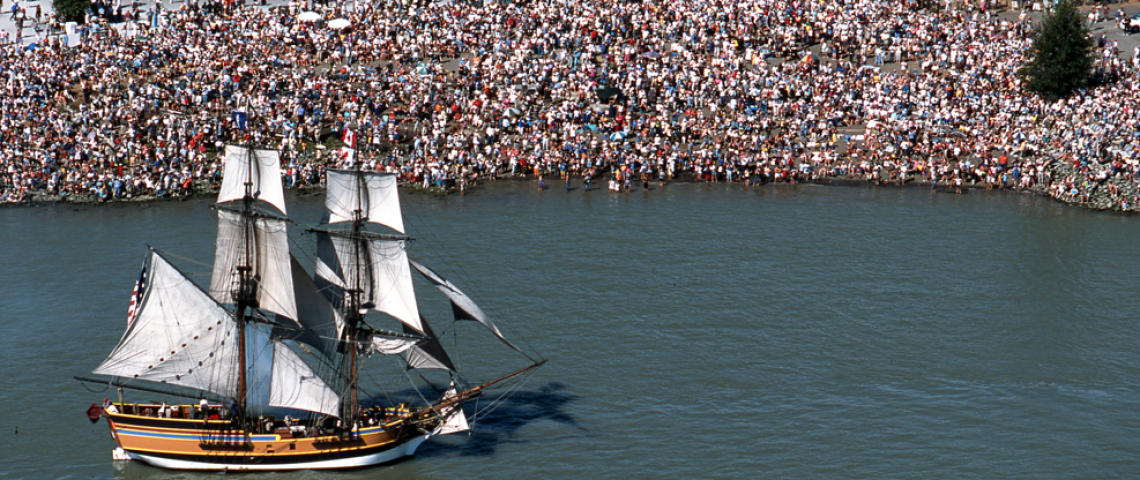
(219, 433)
(172, 412)
(216, 431)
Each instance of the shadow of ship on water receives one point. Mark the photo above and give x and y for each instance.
(500, 425)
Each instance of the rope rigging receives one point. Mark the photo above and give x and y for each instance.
(501, 399)
(475, 287)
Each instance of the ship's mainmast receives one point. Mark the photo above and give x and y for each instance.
(245, 296)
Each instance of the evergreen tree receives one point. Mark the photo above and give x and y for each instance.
(1061, 57)
(71, 10)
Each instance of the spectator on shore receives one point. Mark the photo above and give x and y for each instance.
(755, 91)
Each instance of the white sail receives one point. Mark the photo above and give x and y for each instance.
(387, 344)
(462, 305)
(266, 243)
(371, 193)
(181, 336)
(265, 176)
(321, 324)
(329, 282)
(392, 289)
(428, 354)
(418, 359)
(454, 420)
(378, 267)
(295, 385)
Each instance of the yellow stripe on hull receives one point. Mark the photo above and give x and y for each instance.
(210, 442)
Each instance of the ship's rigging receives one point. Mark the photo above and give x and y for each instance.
(267, 337)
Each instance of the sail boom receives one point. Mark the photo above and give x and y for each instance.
(118, 384)
(473, 392)
(362, 234)
(253, 214)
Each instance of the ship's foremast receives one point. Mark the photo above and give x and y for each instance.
(353, 320)
(355, 305)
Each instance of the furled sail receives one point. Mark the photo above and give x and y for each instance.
(461, 305)
(391, 343)
(262, 242)
(321, 324)
(181, 336)
(295, 385)
(373, 194)
(262, 168)
(377, 266)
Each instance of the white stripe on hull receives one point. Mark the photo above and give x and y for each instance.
(404, 450)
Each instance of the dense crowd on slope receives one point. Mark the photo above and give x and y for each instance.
(753, 91)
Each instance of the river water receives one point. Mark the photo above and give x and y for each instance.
(693, 331)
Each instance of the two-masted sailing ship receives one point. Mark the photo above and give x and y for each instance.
(272, 356)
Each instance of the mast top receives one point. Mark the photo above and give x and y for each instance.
(252, 174)
(358, 197)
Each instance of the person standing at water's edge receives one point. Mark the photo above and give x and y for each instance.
(690, 102)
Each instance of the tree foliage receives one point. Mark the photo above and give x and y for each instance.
(1061, 57)
(71, 10)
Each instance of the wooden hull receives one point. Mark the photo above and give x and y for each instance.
(190, 444)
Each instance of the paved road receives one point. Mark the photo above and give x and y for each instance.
(7, 25)
(1108, 27)
(1127, 43)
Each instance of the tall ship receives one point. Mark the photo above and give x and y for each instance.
(271, 358)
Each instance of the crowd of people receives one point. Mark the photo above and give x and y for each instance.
(450, 93)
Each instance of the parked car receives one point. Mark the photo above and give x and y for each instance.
(1130, 24)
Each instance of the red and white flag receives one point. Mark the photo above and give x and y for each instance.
(349, 138)
(136, 296)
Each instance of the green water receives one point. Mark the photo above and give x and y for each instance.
(693, 331)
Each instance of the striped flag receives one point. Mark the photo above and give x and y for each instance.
(136, 297)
